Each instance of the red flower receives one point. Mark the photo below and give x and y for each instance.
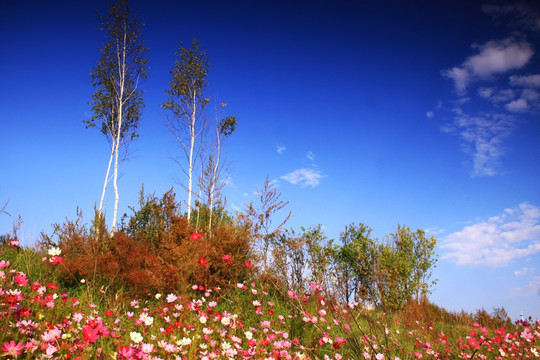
(248, 264)
(56, 260)
(90, 334)
(52, 286)
(109, 313)
(196, 236)
(202, 261)
(227, 257)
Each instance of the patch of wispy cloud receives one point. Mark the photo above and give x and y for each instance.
(311, 156)
(525, 81)
(530, 95)
(228, 181)
(434, 231)
(518, 15)
(304, 177)
(523, 272)
(514, 100)
(532, 288)
(460, 76)
(280, 149)
(495, 95)
(482, 136)
(497, 241)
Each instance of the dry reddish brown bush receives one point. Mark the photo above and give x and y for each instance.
(169, 262)
(181, 256)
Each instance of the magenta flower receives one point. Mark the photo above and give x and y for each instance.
(12, 349)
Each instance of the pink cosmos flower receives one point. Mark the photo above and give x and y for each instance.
(51, 335)
(147, 348)
(11, 348)
(21, 279)
(196, 236)
(125, 352)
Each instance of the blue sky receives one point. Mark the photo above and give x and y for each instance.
(419, 113)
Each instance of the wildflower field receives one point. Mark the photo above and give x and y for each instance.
(42, 318)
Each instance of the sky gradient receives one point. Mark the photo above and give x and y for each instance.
(424, 114)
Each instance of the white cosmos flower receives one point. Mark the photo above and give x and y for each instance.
(135, 337)
(54, 251)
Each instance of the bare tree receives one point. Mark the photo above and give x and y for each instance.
(261, 221)
(214, 178)
(3, 209)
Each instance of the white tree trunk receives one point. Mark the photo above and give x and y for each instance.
(191, 147)
(214, 179)
(122, 75)
(106, 181)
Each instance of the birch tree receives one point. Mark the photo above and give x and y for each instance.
(186, 102)
(117, 102)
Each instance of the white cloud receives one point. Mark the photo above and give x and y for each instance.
(525, 81)
(304, 177)
(498, 240)
(311, 156)
(430, 114)
(518, 105)
(524, 271)
(280, 149)
(532, 288)
(494, 57)
(499, 56)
